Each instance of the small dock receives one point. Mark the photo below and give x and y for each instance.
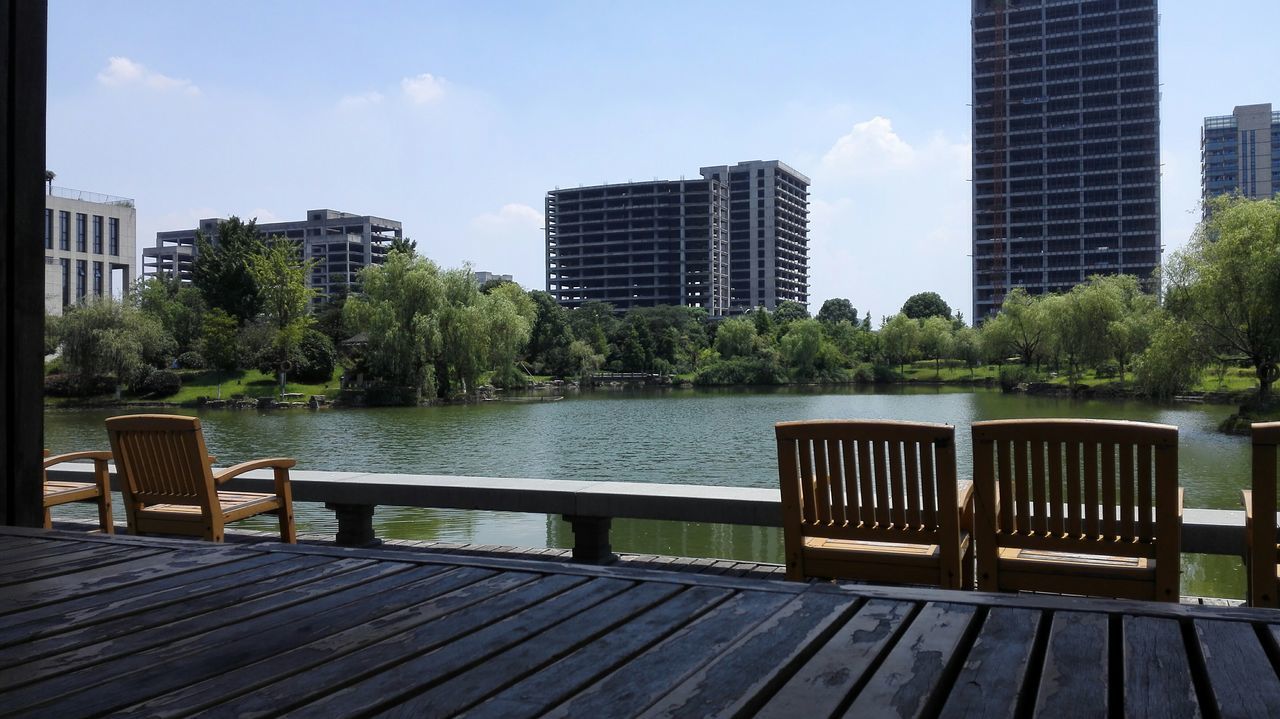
(93, 624)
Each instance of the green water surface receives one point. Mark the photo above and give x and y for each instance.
(675, 436)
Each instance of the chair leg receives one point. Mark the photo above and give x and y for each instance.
(48, 519)
(288, 532)
(104, 514)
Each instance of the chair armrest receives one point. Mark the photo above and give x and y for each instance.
(1246, 498)
(239, 469)
(73, 456)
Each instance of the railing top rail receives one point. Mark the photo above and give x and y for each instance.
(1208, 531)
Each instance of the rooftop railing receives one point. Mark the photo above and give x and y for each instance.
(68, 193)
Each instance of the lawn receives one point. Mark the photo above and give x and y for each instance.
(204, 383)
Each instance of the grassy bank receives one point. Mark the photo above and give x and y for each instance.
(213, 384)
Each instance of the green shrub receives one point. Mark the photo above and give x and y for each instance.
(162, 383)
(741, 370)
(1013, 375)
(68, 385)
(191, 360)
(318, 358)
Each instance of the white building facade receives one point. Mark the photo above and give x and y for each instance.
(90, 241)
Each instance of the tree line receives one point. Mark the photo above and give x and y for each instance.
(431, 332)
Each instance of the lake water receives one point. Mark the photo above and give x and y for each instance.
(716, 437)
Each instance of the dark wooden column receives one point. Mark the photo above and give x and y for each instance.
(23, 58)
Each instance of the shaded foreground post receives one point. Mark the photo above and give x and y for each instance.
(23, 52)
(355, 525)
(591, 539)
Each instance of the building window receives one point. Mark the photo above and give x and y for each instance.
(82, 232)
(97, 234)
(66, 281)
(48, 229)
(97, 279)
(64, 230)
(82, 270)
(113, 236)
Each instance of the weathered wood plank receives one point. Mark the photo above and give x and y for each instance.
(498, 672)
(1242, 681)
(1074, 679)
(992, 681)
(911, 680)
(492, 626)
(643, 680)
(830, 675)
(127, 616)
(558, 682)
(307, 671)
(1157, 675)
(132, 586)
(27, 624)
(219, 639)
(85, 557)
(735, 682)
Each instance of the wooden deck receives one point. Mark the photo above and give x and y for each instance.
(92, 625)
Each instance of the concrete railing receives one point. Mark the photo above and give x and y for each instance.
(588, 506)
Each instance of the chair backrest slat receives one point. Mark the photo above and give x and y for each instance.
(866, 486)
(928, 489)
(1094, 466)
(162, 459)
(1110, 528)
(857, 475)
(1128, 479)
(1145, 500)
(1021, 488)
(1004, 469)
(912, 498)
(1057, 519)
(1089, 453)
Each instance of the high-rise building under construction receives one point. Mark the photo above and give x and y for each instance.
(1066, 144)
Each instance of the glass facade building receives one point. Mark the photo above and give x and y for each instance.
(1066, 144)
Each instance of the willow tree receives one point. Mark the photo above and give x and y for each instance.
(509, 314)
(1226, 283)
(397, 314)
(106, 338)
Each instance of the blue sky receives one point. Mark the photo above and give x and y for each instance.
(456, 118)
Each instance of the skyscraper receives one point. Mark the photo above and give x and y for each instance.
(1066, 144)
(1240, 153)
(734, 239)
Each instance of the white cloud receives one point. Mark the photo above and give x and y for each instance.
(870, 147)
(890, 217)
(423, 89)
(364, 99)
(123, 72)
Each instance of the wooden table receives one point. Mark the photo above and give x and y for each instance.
(93, 624)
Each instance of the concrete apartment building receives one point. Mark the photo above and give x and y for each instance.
(768, 233)
(735, 239)
(1066, 144)
(89, 245)
(1240, 153)
(482, 277)
(339, 243)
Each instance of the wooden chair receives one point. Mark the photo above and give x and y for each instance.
(1078, 506)
(875, 501)
(169, 486)
(1261, 551)
(99, 490)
